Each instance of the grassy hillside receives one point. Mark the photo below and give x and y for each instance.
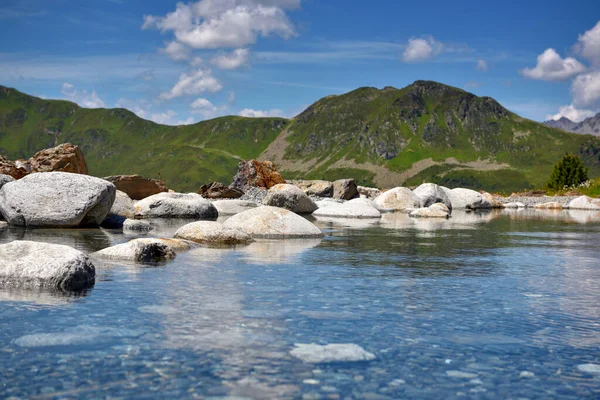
(424, 132)
(116, 141)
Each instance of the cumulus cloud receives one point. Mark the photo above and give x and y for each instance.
(176, 51)
(248, 112)
(585, 89)
(194, 83)
(421, 49)
(551, 67)
(207, 109)
(589, 45)
(213, 24)
(196, 62)
(481, 66)
(82, 97)
(233, 60)
(572, 113)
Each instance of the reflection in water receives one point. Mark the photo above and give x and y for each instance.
(266, 252)
(86, 240)
(40, 296)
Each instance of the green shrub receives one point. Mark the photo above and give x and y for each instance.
(569, 171)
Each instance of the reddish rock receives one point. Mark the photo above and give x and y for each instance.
(8, 167)
(137, 187)
(62, 158)
(217, 190)
(261, 174)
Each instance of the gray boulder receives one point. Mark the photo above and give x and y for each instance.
(430, 193)
(58, 199)
(209, 232)
(4, 179)
(437, 210)
(290, 197)
(273, 223)
(368, 192)
(176, 205)
(584, 203)
(466, 199)
(123, 206)
(137, 225)
(345, 189)
(356, 208)
(398, 199)
(35, 264)
(232, 207)
(315, 187)
(144, 250)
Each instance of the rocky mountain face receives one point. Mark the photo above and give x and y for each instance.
(589, 126)
(387, 137)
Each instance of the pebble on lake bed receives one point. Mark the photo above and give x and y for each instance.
(589, 368)
(461, 374)
(339, 352)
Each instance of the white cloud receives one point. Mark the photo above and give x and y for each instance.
(572, 113)
(213, 24)
(481, 66)
(196, 82)
(207, 109)
(551, 67)
(176, 51)
(140, 108)
(585, 89)
(233, 60)
(589, 45)
(248, 112)
(165, 118)
(196, 62)
(82, 97)
(231, 98)
(421, 49)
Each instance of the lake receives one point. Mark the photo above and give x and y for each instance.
(497, 305)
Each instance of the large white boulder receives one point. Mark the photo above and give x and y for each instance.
(176, 205)
(36, 264)
(144, 250)
(584, 203)
(290, 197)
(356, 208)
(398, 199)
(466, 199)
(56, 199)
(209, 232)
(338, 352)
(437, 210)
(232, 207)
(430, 193)
(273, 223)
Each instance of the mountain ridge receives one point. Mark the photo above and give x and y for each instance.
(384, 137)
(589, 126)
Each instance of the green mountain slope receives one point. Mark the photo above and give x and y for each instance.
(424, 132)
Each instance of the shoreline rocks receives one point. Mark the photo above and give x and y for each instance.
(217, 190)
(291, 198)
(317, 188)
(430, 193)
(36, 264)
(437, 210)
(355, 208)
(137, 187)
(150, 250)
(398, 199)
(253, 173)
(62, 158)
(212, 233)
(176, 205)
(345, 189)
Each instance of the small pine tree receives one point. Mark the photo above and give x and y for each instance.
(569, 171)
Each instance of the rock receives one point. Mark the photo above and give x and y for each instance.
(176, 205)
(430, 193)
(398, 199)
(517, 204)
(584, 203)
(208, 232)
(273, 223)
(137, 225)
(8, 167)
(290, 197)
(315, 188)
(368, 192)
(461, 374)
(437, 210)
(345, 189)
(466, 199)
(123, 206)
(356, 208)
(254, 173)
(526, 374)
(62, 158)
(4, 179)
(57, 199)
(589, 368)
(144, 250)
(340, 352)
(35, 264)
(232, 207)
(137, 187)
(553, 205)
(494, 200)
(217, 190)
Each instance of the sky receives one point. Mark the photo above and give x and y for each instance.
(183, 62)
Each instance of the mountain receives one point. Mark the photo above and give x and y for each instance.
(426, 131)
(589, 126)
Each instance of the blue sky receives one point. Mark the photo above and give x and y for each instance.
(184, 62)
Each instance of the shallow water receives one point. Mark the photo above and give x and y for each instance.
(498, 305)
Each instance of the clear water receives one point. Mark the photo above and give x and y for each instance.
(503, 305)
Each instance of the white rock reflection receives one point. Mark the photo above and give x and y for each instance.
(265, 252)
